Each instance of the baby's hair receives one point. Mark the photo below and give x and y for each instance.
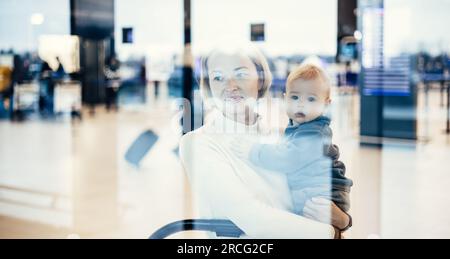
(309, 72)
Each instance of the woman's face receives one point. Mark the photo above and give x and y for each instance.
(234, 83)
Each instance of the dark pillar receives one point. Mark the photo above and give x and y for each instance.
(448, 107)
(93, 21)
(188, 74)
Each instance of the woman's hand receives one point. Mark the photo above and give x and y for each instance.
(241, 147)
(325, 211)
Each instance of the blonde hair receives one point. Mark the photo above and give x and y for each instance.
(257, 58)
(309, 72)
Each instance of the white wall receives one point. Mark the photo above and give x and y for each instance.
(157, 25)
(413, 25)
(16, 31)
(293, 26)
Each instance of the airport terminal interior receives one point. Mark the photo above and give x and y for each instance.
(81, 81)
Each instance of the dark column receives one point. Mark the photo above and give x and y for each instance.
(448, 107)
(188, 77)
(93, 21)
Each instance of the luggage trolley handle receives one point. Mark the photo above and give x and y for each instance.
(222, 228)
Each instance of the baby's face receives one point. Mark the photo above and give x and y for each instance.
(306, 100)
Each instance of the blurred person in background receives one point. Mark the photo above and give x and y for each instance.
(5, 85)
(46, 90)
(112, 78)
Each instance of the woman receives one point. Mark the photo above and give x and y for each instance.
(227, 187)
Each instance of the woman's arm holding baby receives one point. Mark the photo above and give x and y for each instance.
(318, 209)
(326, 211)
(287, 156)
(215, 183)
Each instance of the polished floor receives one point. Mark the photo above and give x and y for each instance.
(69, 180)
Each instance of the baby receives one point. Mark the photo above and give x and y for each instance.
(306, 154)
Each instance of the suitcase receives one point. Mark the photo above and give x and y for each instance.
(140, 147)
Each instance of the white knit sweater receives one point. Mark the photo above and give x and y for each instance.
(227, 187)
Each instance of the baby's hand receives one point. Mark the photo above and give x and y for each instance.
(241, 147)
(326, 211)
